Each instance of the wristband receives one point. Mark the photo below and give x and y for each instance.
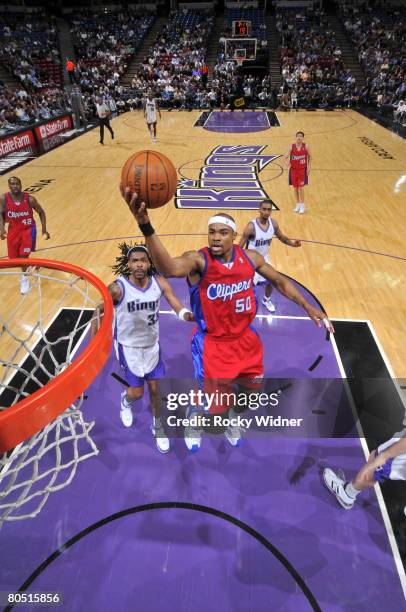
(146, 229)
(181, 314)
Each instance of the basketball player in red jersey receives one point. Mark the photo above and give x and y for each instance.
(298, 160)
(16, 209)
(221, 285)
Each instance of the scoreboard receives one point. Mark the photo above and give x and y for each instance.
(242, 28)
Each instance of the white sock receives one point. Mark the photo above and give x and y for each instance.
(351, 490)
(157, 422)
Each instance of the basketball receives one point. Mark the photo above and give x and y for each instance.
(152, 176)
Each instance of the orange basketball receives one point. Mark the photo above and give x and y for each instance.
(152, 176)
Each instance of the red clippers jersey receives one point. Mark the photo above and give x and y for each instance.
(19, 215)
(298, 157)
(224, 302)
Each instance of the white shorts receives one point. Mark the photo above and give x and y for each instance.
(260, 280)
(395, 468)
(151, 119)
(140, 361)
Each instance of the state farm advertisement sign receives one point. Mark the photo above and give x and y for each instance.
(55, 126)
(16, 142)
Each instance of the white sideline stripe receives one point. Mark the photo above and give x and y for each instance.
(210, 114)
(377, 489)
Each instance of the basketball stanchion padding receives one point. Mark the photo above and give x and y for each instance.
(43, 434)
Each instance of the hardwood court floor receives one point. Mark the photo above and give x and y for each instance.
(353, 252)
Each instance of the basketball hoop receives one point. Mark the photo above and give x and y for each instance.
(239, 60)
(43, 435)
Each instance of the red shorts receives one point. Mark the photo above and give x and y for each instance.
(298, 178)
(218, 364)
(20, 243)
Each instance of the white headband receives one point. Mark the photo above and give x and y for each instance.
(223, 221)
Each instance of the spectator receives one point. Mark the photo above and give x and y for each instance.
(70, 68)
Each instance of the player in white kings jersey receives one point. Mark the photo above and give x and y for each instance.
(258, 235)
(151, 109)
(136, 296)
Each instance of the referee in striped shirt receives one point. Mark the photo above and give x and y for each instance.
(103, 112)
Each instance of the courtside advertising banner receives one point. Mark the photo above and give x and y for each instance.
(16, 142)
(52, 127)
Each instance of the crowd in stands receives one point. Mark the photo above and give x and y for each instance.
(21, 108)
(379, 38)
(313, 72)
(29, 50)
(175, 66)
(104, 44)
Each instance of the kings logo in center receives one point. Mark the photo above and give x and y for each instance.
(229, 179)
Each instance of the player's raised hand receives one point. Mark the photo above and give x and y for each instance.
(319, 318)
(138, 209)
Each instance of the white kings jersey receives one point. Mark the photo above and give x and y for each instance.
(262, 239)
(136, 315)
(151, 110)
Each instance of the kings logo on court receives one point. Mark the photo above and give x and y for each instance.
(229, 179)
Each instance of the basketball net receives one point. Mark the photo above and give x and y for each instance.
(34, 352)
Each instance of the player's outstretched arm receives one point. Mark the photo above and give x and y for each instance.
(38, 208)
(281, 236)
(181, 266)
(247, 234)
(288, 289)
(173, 300)
(3, 234)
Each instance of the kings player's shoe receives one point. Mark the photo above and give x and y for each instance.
(126, 414)
(336, 485)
